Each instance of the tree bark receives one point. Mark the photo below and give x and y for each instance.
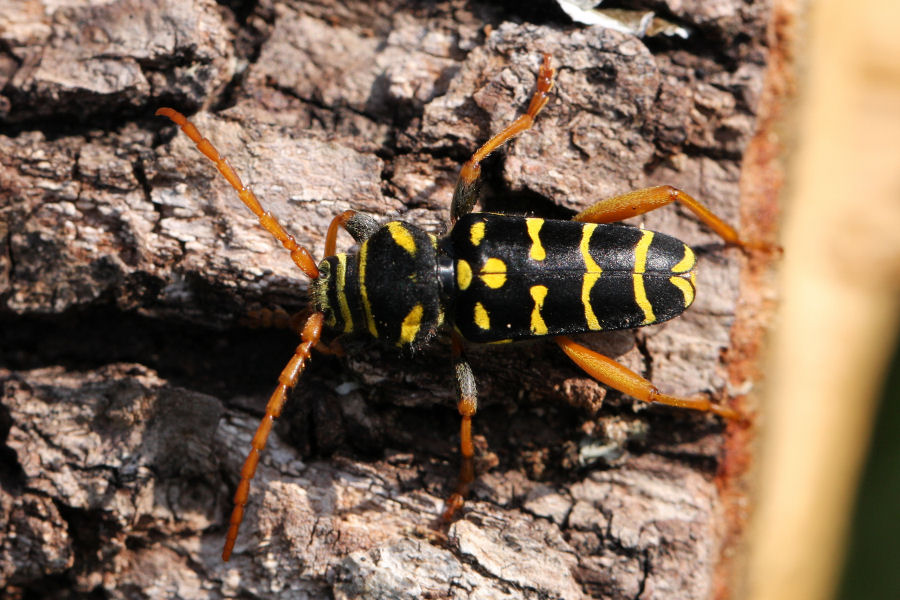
(133, 380)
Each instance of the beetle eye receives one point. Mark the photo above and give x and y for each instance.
(324, 270)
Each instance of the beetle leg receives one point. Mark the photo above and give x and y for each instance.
(466, 193)
(312, 331)
(332, 348)
(468, 405)
(336, 223)
(270, 318)
(609, 372)
(300, 255)
(277, 318)
(641, 201)
(360, 225)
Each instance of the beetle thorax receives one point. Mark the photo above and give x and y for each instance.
(389, 289)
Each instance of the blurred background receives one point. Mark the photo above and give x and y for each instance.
(829, 494)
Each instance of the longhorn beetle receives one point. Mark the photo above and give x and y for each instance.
(492, 279)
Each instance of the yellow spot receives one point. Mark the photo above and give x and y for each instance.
(364, 294)
(686, 288)
(686, 263)
(538, 293)
(493, 273)
(340, 288)
(482, 319)
(590, 264)
(640, 251)
(411, 324)
(402, 237)
(587, 284)
(640, 296)
(534, 228)
(463, 274)
(477, 232)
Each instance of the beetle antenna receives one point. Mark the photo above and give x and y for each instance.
(300, 255)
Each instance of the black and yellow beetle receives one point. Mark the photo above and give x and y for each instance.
(492, 279)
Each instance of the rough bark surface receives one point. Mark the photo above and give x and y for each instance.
(132, 383)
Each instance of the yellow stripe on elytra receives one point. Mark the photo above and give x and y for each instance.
(640, 266)
(364, 295)
(493, 273)
(463, 274)
(686, 263)
(538, 293)
(476, 233)
(411, 324)
(587, 284)
(402, 237)
(686, 288)
(640, 296)
(534, 228)
(640, 251)
(341, 291)
(590, 264)
(482, 318)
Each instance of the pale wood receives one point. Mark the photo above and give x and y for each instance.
(838, 324)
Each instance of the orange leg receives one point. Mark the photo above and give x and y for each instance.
(312, 331)
(609, 372)
(266, 317)
(360, 225)
(332, 348)
(299, 254)
(466, 193)
(336, 223)
(468, 405)
(639, 202)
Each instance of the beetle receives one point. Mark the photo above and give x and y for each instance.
(492, 279)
